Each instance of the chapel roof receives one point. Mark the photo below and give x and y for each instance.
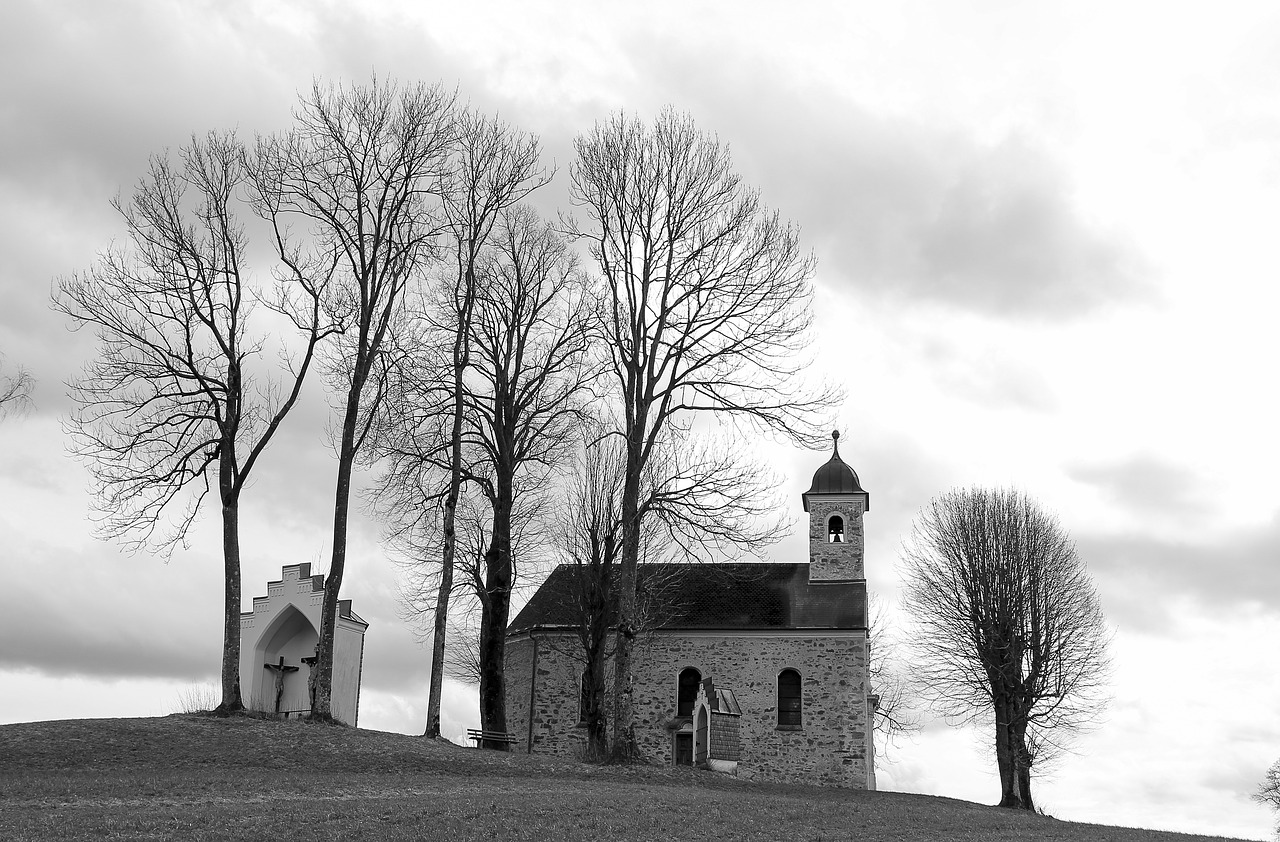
(738, 596)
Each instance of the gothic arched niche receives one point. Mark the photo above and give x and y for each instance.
(289, 636)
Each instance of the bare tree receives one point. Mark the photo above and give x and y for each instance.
(1269, 790)
(169, 399)
(361, 169)
(526, 404)
(688, 511)
(896, 712)
(492, 167)
(1008, 624)
(590, 523)
(419, 592)
(705, 311)
(15, 391)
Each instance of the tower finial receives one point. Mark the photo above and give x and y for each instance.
(835, 443)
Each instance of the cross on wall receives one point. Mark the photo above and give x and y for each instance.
(280, 670)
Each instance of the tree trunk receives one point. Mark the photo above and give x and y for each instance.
(231, 699)
(1012, 758)
(450, 548)
(593, 678)
(494, 614)
(441, 620)
(1022, 758)
(1004, 755)
(322, 704)
(594, 594)
(461, 358)
(625, 747)
(229, 496)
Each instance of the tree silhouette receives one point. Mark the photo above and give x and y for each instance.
(1008, 623)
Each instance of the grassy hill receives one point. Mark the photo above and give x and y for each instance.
(195, 777)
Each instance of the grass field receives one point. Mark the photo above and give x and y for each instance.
(198, 777)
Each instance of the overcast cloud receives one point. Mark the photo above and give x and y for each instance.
(900, 208)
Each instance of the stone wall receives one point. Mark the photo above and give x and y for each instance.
(831, 748)
(556, 726)
(835, 561)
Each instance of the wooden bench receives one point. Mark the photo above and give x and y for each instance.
(490, 736)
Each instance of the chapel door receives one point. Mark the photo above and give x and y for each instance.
(684, 749)
(704, 734)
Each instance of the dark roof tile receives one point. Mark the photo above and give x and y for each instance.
(736, 596)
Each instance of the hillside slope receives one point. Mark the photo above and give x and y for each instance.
(195, 777)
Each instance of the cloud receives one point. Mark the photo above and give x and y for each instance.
(101, 614)
(1145, 485)
(1152, 581)
(904, 209)
(986, 376)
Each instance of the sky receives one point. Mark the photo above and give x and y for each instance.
(1045, 259)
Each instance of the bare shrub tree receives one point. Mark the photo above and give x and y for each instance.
(15, 391)
(690, 510)
(1269, 790)
(1008, 624)
(897, 711)
(170, 399)
(587, 536)
(361, 170)
(705, 311)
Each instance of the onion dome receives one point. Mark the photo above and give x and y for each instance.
(836, 477)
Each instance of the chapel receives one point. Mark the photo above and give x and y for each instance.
(756, 669)
(278, 640)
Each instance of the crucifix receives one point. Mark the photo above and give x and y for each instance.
(280, 669)
(311, 676)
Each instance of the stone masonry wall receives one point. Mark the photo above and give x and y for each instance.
(556, 725)
(835, 561)
(832, 748)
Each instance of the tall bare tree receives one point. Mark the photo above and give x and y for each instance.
(15, 391)
(492, 166)
(525, 403)
(169, 400)
(362, 170)
(495, 166)
(706, 311)
(1008, 624)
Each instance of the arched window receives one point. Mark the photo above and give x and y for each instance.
(687, 691)
(789, 700)
(835, 530)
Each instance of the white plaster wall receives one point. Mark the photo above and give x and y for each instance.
(261, 642)
(348, 652)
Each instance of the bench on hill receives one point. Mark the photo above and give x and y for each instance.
(481, 737)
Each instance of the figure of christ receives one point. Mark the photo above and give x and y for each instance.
(311, 678)
(280, 670)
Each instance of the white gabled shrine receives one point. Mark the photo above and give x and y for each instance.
(278, 641)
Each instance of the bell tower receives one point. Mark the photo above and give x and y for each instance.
(836, 502)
